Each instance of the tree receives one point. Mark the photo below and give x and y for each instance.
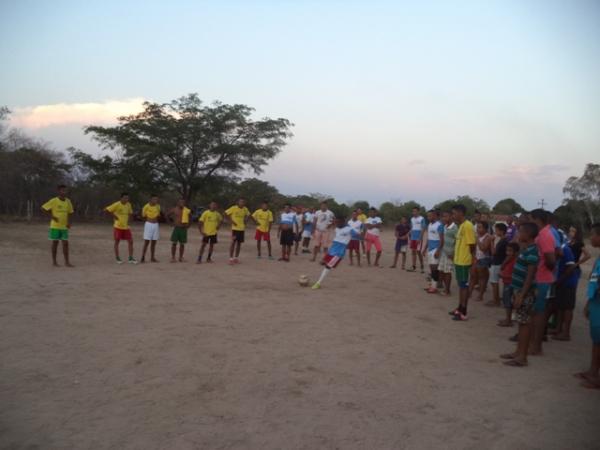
(471, 203)
(586, 189)
(572, 212)
(182, 145)
(507, 206)
(362, 204)
(256, 191)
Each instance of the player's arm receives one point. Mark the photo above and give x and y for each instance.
(585, 255)
(441, 246)
(111, 212)
(49, 213)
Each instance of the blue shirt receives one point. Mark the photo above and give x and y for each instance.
(565, 262)
(288, 218)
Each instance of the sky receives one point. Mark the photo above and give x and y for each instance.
(390, 100)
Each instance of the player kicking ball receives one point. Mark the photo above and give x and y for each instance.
(343, 234)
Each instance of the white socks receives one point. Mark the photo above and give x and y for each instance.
(323, 275)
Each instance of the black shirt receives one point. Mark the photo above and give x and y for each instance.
(500, 254)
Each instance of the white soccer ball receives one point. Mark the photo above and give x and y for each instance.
(303, 280)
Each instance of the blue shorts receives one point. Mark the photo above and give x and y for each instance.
(541, 297)
(507, 296)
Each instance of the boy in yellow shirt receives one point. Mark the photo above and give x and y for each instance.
(122, 212)
(209, 224)
(263, 218)
(180, 216)
(238, 216)
(464, 255)
(59, 209)
(151, 214)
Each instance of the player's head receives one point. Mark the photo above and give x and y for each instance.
(355, 214)
(264, 205)
(212, 205)
(512, 249)
(372, 212)
(287, 207)
(459, 211)
(500, 229)
(416, 211)
(124, 197)
(324, 206)
(477, 215)
(482, 227)
(510, 220)
(575, 234)
(432, 215)
(359, 211)
(153, 199)
(447, 217)
(595, 235)
(181, 202)
(340, 221)
(403, 220)
(540, 217)
(528, 231)
(62, 190)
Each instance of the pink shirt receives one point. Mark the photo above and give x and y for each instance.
(545, 244)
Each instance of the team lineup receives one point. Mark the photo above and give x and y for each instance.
(530, 264)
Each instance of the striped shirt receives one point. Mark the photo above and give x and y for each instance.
(527, 257)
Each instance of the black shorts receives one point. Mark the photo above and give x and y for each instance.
(297, 237)
(238, 235)
(287, 237)
(566, 297)
(210, 239)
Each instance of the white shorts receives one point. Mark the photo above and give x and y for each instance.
(446, 265)
(151, 231)
(495, 274)
(431, 259)
(307, 234)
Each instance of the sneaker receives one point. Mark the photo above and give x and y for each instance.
(119, 260)
(317, 285)
(132, 260)
(460, 317)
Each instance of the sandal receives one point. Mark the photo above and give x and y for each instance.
(515, 363)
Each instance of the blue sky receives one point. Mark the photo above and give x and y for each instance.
(390, 100)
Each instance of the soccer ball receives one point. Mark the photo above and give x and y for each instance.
(303, 280)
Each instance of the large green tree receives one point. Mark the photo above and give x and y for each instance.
(507, 206)
(183, 145)
(471, 203)
(586, 189)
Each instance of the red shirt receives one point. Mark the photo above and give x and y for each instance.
(546, 244)
(507, 270)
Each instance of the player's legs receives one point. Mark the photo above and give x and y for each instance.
(54, 251)
(211, 247)
(65, 249)
(153, 251)
(116, 248)
(173, 251)
(181, 251)
(201, 252)
(258, 244)
(144, 250)
(238, 248)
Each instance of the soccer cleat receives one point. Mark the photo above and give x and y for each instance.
(119, 260)
(132, 260)
(317, 285)
(460, 317)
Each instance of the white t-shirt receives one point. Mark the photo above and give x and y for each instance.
(299, 218)
(374, 221)
(356, 225)
(324, 219)
(343, 235)
(288, 218)
(416, 227)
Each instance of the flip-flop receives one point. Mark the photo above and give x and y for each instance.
(589, 385)
(507, 356)
(515, 363)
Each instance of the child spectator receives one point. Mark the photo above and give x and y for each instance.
(506, 272)
(402, 234)
(498, 257)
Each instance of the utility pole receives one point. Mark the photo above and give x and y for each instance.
(542, 203)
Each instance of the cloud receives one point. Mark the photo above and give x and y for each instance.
(101, 113)
(416, 162)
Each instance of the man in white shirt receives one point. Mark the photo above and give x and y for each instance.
(373, 226)
(354, 245)
(322, 225)
(309, 217)
(417, 226)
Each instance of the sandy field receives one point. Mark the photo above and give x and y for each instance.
(181, 356)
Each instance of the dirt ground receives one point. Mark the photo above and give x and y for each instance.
(181, 356)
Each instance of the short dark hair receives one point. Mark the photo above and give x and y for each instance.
(460, 207)
(514, 246)
(484, 224)
(372, 208)
(540, 214)
(61, 186)
(476, 212)
(596, 228)
(287, 204)
(530, 228)
(417, 208)
(153, 195)
(324, 202)
(266, 201)
(501, 226)
(123, 194)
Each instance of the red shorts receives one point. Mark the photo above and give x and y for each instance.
(122, 235)
(415, 245)
(331, 261)
(354, 244)
(262, 236)
(372, 240)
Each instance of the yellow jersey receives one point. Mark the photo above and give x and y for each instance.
(210, 222)
(185, 215)
(151, 211)
(264, 219)
(465, 237)
(122, 211)
(238, 217)
(362, 217)
(60, 209)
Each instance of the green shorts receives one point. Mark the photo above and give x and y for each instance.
(462, 275)
(179, 234)
(56, 234)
